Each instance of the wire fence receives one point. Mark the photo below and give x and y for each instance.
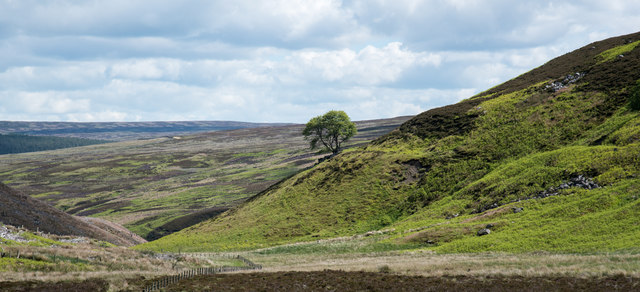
(165, 281)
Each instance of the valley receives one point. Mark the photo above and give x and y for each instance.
(530, 185)
(158, 186)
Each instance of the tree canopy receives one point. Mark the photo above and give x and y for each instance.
(18, 143)
(330, 129)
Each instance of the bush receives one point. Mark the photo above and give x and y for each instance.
(384, 269)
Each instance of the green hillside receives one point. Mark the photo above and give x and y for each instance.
(550, 159)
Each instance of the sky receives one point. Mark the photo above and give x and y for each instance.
(278, 61)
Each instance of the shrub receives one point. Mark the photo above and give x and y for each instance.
(384, 269)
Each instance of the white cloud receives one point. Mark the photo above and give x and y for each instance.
(42, 102)
(146, 69)
(369, 66)
(64, 75)
(278, 60)
(101, 116)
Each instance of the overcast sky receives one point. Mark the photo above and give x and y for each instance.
(278, 61)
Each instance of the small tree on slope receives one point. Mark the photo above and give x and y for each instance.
(330, 129)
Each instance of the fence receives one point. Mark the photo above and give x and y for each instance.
(165, 281)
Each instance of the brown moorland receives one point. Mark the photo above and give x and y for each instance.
(18, 209)
(332, 280)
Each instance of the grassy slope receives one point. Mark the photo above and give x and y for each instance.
(504, 145)
(154, 187)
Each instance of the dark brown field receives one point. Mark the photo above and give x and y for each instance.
(330, 280)
(93, 285)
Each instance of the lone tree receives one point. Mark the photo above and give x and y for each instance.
(330, 129)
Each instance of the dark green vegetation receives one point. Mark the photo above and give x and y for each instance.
(547, 161)
(122, 131)
(14, 143)
(634, 100)
(158, 186)
(330, 280)
(331, 130)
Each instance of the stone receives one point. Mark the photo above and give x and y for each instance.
(517, 209)
(483, 231)
(489, 226)
(452, 216)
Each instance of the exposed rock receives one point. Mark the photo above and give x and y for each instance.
(370, 233)
(489, 226)
(566, 81)
(483, 231)
(414, 171)
(75, 240)
(452, 216)
(579, 181)
(10, 235)
(517, 209)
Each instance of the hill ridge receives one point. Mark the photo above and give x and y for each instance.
(121, 131)
(18, 209)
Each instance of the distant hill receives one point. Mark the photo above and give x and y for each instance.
(21, 210)
(158, 186)
(121, 131)
(548, 161)
(17, 143)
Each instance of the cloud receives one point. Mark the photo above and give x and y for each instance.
(279, 60)
(62, 76)
(369, 66)
(284, 23)
(43, 103)
(493, 25)
(146, 69)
